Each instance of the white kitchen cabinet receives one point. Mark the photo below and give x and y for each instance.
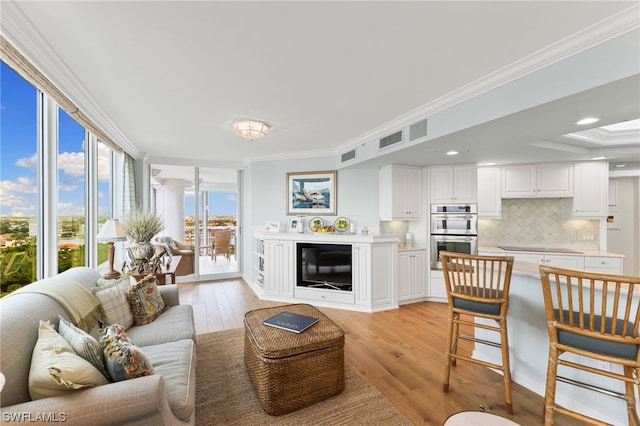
(375, 275)
(537, 180)
(603, 264)
(411, 275)
(279, 268)
(489, 192)
(591, 185)
(454, 184)
(401, 193)
(437, 289)
(550, 259)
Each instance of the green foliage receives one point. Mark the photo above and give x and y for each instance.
(141, 226)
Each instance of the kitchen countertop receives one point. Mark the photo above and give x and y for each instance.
(544, 250)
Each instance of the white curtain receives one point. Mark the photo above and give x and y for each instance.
(129, 184)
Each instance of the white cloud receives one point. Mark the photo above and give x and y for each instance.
(231, 197)
(71, 163)
(15, 197)
(70, 209)
(28, 162)
(23, 184)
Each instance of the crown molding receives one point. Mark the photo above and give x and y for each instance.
(21, 33)
(606, 138)
(614, 26)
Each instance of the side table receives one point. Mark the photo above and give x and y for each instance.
(167, 271)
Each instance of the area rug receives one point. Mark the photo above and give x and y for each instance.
(224, 395)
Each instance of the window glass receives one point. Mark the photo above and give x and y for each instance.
(18, 183)
(71, 199)
(104, 194)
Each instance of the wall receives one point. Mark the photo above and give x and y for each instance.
(265, 197)
(538, 221)
(624, 237)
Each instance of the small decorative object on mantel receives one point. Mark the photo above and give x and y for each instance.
(290, 321)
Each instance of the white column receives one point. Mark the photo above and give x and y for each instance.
(173, 208)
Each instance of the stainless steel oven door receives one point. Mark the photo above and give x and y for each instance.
(457, 224)
(456, 244)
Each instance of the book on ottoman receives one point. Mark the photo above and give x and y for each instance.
(291, 321)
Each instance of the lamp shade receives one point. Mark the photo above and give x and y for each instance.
(111, 231)
(250, 129)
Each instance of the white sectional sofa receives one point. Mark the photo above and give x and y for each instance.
(164, 398)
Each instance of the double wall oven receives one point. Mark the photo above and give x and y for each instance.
(454, 227)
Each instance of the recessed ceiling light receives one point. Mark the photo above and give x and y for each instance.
(487, 164)
(588, 120)
(621, 165)
(598, 158)
(452, 152)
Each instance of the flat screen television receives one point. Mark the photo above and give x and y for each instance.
(327, 266)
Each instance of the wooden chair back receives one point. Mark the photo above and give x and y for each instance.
(478, 281)
(222, 243)
(590, 304)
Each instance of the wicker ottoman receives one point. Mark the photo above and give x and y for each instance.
(289, 370)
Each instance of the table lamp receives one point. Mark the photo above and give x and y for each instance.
(111, 232)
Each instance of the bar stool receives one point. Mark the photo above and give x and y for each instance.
(596, 316)
(478, 286)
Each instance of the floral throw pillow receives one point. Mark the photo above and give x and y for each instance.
(124, 359)
(145, 300)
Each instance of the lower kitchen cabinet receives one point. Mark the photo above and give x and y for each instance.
(437, 289)
(412, 275)
(605, 265)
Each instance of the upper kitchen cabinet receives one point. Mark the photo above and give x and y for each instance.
(401, 193)
(454, 184)
(489, 192)
(590, 191)
(537, 180)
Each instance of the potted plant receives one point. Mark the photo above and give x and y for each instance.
(140, 227)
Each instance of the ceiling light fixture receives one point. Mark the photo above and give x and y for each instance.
(250, 129)
(621, 165)
(588, 120)
(452, 152)
(598, 158)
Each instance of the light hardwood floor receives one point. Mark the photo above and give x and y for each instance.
(401, 352)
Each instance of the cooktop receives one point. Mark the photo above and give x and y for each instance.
(539, 249)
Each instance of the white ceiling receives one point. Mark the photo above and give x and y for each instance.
(167, 79)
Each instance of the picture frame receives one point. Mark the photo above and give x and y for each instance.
(312, 193)
(272, 226)
(293, 224)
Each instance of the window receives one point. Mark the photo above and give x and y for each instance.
(18, 181)
(71, 196)
(37, 237)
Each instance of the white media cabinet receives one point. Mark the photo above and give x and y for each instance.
(374, 270)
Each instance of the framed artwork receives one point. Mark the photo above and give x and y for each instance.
(311, 193)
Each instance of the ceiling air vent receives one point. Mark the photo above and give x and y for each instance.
(391, 139)
(349, 155)
(418, 130)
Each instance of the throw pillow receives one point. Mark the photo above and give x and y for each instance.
(145, 300)
(83, 344)
(55, 367)
(114, 304)
(124, 359)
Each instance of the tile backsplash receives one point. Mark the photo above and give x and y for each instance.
(537, 221)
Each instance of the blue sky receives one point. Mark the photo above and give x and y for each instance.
(18, 137)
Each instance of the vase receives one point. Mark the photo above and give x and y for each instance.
(142, 250)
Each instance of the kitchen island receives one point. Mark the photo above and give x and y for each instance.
(528, 348)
